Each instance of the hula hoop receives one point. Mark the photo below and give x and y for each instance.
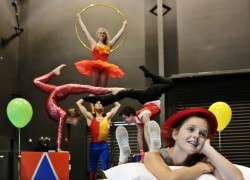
(116, 10)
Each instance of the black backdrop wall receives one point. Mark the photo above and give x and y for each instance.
(199, 36)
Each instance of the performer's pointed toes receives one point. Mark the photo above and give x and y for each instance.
(145, 70)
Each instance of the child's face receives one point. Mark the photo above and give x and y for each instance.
(192, 134)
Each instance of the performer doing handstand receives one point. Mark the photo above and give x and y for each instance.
(57, 93)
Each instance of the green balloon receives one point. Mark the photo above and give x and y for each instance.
(19, 112)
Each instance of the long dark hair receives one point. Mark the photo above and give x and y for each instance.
(194, 158)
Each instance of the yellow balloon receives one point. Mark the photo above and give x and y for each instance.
(223, 114)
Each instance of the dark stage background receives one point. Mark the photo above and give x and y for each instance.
(199, 36)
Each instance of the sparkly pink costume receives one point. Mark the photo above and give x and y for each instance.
(56, 93)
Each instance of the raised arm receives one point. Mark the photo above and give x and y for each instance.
(139, 137)
(92, 42)
(118, 35)
(224, 169)
(114, 110)
(84, 111)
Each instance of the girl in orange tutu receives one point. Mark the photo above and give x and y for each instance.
(99, 68)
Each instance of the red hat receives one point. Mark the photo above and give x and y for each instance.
(174, 119)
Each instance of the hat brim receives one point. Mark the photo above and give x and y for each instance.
(171, 122)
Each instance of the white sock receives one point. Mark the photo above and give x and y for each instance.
(122, 139)
(154, 135)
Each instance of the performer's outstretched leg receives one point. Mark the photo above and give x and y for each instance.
(156, 78)
(42, 81)
(160, 86)
(108, 99)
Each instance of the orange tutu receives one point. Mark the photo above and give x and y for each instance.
(86, 66)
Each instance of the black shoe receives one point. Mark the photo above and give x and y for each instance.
(146, 72)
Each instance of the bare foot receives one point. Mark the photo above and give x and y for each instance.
(57, 70)
(116, 90)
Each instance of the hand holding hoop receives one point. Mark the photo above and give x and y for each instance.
(105, 5)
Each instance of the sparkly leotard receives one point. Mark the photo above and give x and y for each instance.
(56, 93)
